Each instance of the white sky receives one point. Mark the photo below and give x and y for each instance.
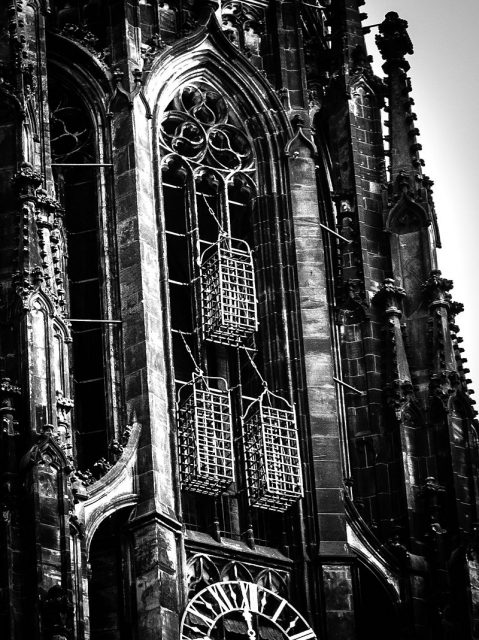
(445, 82)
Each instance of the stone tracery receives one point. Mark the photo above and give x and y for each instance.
(199, 126)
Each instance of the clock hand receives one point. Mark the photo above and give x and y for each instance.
(249, 622)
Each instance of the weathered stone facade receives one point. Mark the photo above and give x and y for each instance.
(233, 397)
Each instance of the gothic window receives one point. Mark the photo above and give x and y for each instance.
(80, 180)
(209, 188)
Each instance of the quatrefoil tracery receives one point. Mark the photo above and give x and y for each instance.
(199, 126)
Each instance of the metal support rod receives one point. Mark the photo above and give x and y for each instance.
(338, 235)
(82, 164)
(181, 284)
(173, 233)
(348, 386)
(313, 6)
(188, 333)
(183, 235)
(242, 346)
(90, 320)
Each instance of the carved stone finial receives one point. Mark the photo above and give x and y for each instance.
(26, 180)
(394, 41)
(437, 288)
(48, 430)
(389, 297)
(297, 122)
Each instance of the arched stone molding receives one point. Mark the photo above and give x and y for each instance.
(236, 571)
(115, 490)
(404, 206)
(300, 146)
(273, 581)
(81, 63)
(364, 543)
(201, 571)
(360, 87)
(363, 94)
(40, 297)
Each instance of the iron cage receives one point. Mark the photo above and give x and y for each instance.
(228, 292)
(271, 452)
(205, 436)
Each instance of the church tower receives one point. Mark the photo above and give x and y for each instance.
(233, 399)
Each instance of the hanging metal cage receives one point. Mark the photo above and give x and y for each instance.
(205, 436)
(271, 452)
(228, 293)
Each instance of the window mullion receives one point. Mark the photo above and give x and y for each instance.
(194, 267)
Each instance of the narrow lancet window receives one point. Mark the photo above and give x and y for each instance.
(79, 185)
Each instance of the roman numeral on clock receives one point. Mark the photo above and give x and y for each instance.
(221, 598)
(249, 591)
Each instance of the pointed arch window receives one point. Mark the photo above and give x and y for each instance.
(82, 187)
(209, 189)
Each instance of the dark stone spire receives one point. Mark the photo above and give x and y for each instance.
(394, 43)
(406, 165)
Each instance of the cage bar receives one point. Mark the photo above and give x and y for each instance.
(271, 452)
(205, 438)
(228, 294)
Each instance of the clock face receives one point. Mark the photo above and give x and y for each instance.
(235, 609)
